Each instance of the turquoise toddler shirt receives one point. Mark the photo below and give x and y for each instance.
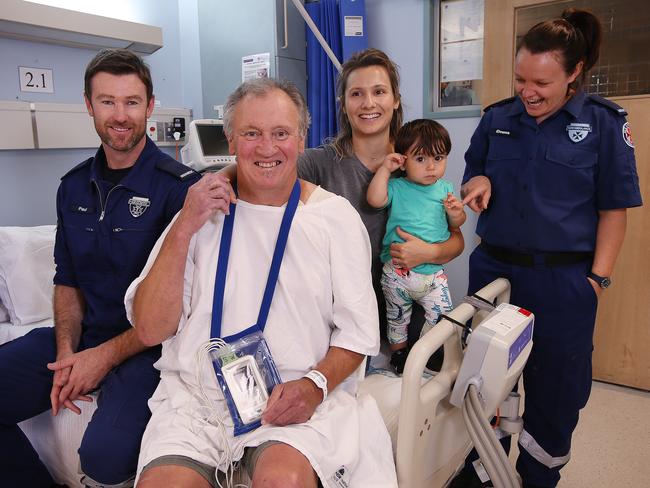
(418, 210)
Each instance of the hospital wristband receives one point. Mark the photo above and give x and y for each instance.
(319, 380)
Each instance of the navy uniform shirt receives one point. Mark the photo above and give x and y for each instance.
(550, 180)
(104, 235)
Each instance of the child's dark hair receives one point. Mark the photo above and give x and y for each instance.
(425, 136)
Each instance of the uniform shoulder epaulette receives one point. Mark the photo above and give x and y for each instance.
(505, 101)
(78, 167)
(608, 103)
(176, 169)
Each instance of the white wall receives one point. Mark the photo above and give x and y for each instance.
(29, 178)
(190, 52)
(397, 28)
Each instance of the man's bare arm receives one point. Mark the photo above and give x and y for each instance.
(69, 306)
(158, 301)
(77, 373)
(295, 401)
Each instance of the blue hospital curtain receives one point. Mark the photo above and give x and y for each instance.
(321, 73)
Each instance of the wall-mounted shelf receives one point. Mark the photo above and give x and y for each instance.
(16, 125)
(25, 125)
(42, 23)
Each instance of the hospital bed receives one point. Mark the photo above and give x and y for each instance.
(429, 437)
(26, 271)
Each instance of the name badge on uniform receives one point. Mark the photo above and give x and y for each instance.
(138, 205)
(577, 132)
(83, 209)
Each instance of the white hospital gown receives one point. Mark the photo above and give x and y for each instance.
(323, 298)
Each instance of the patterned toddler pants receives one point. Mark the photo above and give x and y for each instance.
(402, 289)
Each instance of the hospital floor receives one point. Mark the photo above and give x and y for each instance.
(611, 446)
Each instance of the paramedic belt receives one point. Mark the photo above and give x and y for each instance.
(549, 259)
(222, 266)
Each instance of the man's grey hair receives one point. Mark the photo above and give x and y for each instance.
(259, 87)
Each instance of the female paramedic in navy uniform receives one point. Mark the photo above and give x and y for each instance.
(551, 172)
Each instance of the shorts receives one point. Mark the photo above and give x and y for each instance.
(248, 462)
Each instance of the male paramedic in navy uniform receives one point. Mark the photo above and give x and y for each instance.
(111, 209)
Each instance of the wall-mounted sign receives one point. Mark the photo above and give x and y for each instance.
(255, 66)
(36, 79)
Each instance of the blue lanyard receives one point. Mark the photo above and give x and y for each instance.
(274, 271)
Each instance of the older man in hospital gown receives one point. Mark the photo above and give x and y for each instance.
(323, 317)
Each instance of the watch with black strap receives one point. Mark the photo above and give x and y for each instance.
(602, 281)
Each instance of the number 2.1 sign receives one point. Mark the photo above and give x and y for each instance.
(36, 80)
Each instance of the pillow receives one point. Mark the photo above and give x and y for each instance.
(26, 272)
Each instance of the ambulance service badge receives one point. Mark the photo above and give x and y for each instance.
(627, 135)
(577, 132)
(138, 205)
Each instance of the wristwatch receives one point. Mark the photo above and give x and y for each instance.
(602, 281)
(319, 380)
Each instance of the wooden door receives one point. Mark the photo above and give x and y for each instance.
(622, 341)
(622, 337)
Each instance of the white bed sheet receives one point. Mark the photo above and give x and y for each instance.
(55, 441)
(9, 332)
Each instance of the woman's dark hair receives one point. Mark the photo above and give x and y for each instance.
(368, 57)
(424, 136)
(576, 36)
(118, 62)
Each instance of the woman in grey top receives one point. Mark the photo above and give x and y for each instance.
(369, 118)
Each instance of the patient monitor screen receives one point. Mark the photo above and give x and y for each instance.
(213, 140)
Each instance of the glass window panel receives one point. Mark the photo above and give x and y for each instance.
(457, 56)
(461, 52)
(624, 64)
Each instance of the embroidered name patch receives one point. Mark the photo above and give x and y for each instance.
(84, 209)
(577, 132)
